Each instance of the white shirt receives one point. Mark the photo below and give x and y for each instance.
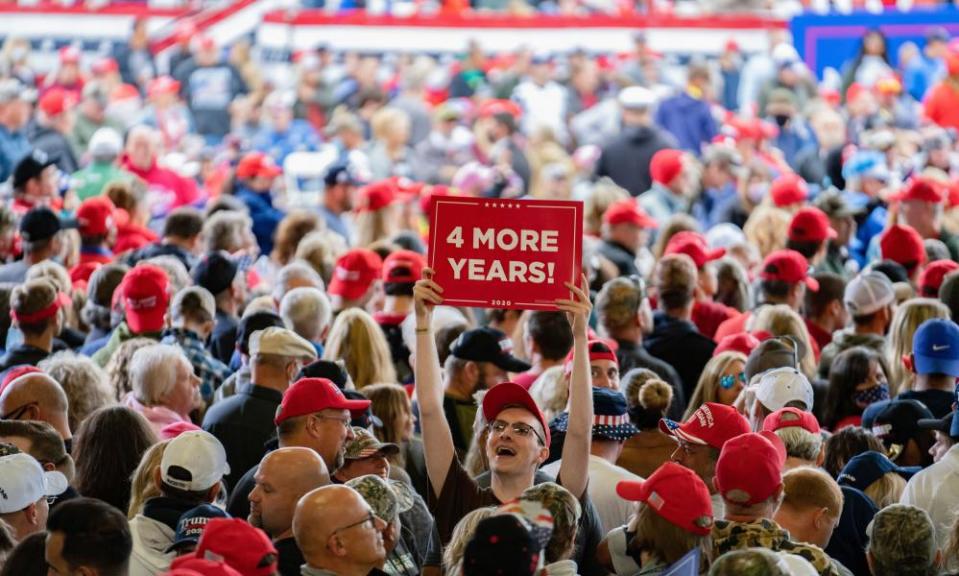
(603, 477)
(936, 490)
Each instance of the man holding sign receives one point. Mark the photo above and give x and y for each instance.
(519, 438)
(505, 253)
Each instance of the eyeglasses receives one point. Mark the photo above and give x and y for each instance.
(521, 429)
(18, 412)
(369, 518)
(345, 422)
(727, 381)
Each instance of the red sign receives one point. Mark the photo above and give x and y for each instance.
(493, 253)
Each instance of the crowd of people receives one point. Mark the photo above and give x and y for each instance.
(205, 370)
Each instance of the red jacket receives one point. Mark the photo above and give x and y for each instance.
(166, 189)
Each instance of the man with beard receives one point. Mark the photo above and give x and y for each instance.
(479, 359)
(284, 476)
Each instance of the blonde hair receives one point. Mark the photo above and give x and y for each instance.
(357, 340)
(907, 319)
(601, 196)
(781, 320)
(389, 402)
(677, 223)
(887, 490)
(807, 487)
(462, 534)
(475, 460)
(705, 390)
(386, 121)
(320, 249)
(375, 225)
(664, 540)
(550, 391)
(142, 486)
(767, 229)
(58, 275)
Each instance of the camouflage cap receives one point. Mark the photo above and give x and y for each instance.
(387, 498)
(365, 444)
(902, 535)
(562, 505)
(539, 520)
(7, 449)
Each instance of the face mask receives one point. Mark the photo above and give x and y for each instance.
(864, 398)
(781, 119)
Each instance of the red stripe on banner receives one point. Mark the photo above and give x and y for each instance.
(109, 10)
(475, 20)
(203, 20)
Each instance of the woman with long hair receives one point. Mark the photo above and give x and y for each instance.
(391, 404)
(906, 320)
(721, 381)
(108, 448)
(856, 380)
(781, 320)
(358, 340)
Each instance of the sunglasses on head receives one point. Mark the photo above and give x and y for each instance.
(727, 381)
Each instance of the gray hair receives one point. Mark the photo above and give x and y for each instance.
(307, 310)
(176, 272)
(296, 270)
(902, 542)
(226, 230)
(86, 385)
(800, 443)
(153, 372)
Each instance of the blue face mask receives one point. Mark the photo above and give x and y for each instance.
(868, 396)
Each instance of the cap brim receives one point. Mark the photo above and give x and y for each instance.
(941, 424)
(812, 283)
(631, 490)
(54, 483)
(831, 233)
(511, 394)
(511, 364)
(349, 291)
(715, 254)
(927, 365)
(675, 429)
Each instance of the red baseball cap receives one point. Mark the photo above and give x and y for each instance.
(788, 417)
(810, 224)
(628, 212)
(498, 106)
(749, 469)
(923, 190)
(376, 196)
(510, 394)
(162, 85)
(257, 164)
(244, 548)
(406, 188)
(677, 494)
(403, 266)
(95, 216)
(599, 349)
(904, 245)
(105, 65)
(693, 244)
(788, 189)
(312, 395)
(146, 294)
(190, 565)
(666, 165)
(712, 424)
(355, 271)
(743, 343)
(171, 431)
(69, 55)
(931, 277)
(55, 102)
(16, 372)
(788, 266)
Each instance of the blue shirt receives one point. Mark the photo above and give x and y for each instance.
(265, 217)
(299, 137)
(921, 74)
(13, 147)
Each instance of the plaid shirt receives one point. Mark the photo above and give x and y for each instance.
(208, 369)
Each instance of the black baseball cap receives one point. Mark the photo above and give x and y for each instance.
(253, 323)
(215, 272)
(325, 369)
(488, 345)
(945, 424)
(340, 173)
(41, 223)
(895, 422)
(31, 166)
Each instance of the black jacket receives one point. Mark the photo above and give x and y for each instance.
(57, 148)
(243, 423)
(679, 344)
(626, 157)
(289, 557)
(23, 354)
(161, 249)
(623, 258)
(223, 338)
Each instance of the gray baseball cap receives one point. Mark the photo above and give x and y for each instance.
(12, 89)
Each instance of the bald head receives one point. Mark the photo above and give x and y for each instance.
(283, 477)
(336, 530)
(36, 397)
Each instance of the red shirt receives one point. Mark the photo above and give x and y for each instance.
(708, 316)
(942, 105)
(166, 189)
(818, 335)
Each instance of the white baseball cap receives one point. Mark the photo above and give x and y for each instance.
(636, 98)
(281, 342)
(200, 455)
(780, 386)
(23, 481)
(868, 293)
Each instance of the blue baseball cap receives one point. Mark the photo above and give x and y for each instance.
(191, 524)
(865, 468)
(340, 172)
(935, 348)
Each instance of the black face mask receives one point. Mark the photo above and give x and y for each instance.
(781, 119)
